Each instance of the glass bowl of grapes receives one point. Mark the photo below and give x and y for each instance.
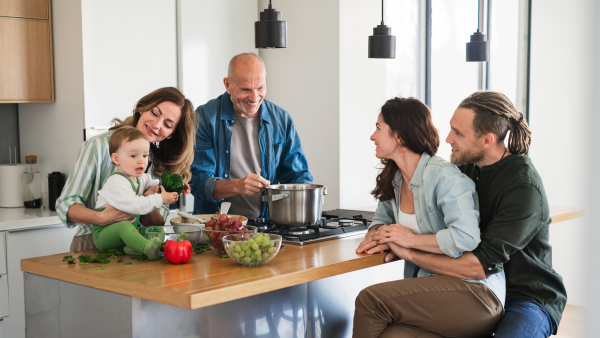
(220, 226)
(252, 249)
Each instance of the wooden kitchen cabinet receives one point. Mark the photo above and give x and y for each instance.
(33, 9)
(26, 72)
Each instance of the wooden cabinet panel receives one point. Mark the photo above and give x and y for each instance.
(37, 9)
(26, 60)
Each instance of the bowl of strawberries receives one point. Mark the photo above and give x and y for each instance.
(222, 225)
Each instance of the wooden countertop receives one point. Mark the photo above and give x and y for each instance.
(208, 279)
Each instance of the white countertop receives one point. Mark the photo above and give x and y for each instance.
(22, 218)
(15, 219)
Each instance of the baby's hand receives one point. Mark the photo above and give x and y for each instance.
(152, 190)
(168, 197)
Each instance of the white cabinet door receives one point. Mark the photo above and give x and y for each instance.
(28, 244)
(3, 296)
(2, 252)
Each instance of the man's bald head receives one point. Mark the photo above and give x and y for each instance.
(245, 62)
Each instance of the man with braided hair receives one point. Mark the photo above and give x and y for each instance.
(514, 219)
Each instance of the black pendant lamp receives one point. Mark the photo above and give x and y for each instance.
(479, 48)
(270, 31)
(382, 44)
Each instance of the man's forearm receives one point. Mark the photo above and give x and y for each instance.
(466, 266)
(225, 188)
(153, 218)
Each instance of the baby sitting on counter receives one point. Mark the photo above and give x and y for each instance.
(130, 190)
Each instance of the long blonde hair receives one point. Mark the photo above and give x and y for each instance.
(494, 113)
(174, 154)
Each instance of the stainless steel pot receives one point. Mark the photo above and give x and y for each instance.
(295, 205)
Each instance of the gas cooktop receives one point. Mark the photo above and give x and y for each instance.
(335, 223)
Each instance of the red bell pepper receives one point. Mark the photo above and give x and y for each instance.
(179, 252)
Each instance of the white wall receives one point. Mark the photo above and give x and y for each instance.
(304, 80)
(559, 115)
(54, 131)
(593, 292)
(210, 34)
(129, 50)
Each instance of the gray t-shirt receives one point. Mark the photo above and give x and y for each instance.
(245, 159)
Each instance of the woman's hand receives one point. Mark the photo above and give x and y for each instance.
(395, 233)
(369, 245)
(398, 252)
(110, 215)
(152, 190)
(186, 188)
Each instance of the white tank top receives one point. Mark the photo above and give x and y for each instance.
(409, 221)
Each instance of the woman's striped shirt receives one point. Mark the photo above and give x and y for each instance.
(92, 169)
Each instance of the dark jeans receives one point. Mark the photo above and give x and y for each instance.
(525, 318)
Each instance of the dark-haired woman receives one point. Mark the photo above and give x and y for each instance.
(168, 119)
(427, 204)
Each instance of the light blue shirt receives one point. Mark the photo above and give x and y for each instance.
(446, 204)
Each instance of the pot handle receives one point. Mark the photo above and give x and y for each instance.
(276, 197)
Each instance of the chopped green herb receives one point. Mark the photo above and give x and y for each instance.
(120, 260)
(128, 263)
(224, 256)
(200, 248)
(139, 258)
(84, 263)
(75, 251)
(100, 268)
(69, 259)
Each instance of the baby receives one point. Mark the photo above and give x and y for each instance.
(130, 190)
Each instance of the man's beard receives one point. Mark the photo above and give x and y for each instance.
(466, 156)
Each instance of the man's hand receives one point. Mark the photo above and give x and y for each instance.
(395, 233)
(152, 190)
(369, 245)
(110, 215)
(252, 185)
(186, 188)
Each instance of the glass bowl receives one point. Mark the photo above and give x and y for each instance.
(252, 249)
(215, 237)
(194, 233)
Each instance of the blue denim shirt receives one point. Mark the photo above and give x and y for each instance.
(283, 160)
(446, 204)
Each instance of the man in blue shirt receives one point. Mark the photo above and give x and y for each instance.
(243, 144)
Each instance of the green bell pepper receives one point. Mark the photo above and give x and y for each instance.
(172, 182)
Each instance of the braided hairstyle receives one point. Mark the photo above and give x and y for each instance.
(494, 113)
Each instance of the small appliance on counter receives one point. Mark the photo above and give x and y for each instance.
(32, 183)
(56, 182)
(11, 185)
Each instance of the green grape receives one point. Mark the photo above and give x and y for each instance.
(272, 250)
(250, 241)
(247, 259)
(255, 246)
(237, 256)
(266, 256)
(266, 236)
(242, 253)
(245, 246)
(248, 253)
(238, 249)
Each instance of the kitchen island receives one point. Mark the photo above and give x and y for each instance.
(305, 291)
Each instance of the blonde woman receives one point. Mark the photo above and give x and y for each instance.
(167, 118)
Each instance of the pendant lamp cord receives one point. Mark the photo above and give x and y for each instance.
(270, 4)
(381, 12)
(478, 14)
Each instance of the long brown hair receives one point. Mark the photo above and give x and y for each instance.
(410, 120)
(176, 153)
(494, 113)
